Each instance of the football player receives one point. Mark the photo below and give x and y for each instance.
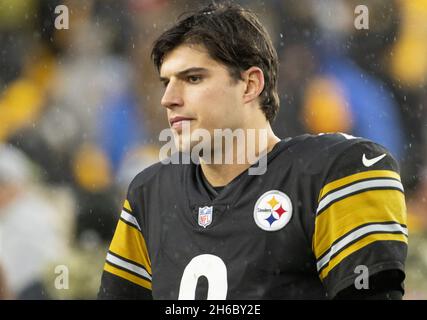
(327, 220)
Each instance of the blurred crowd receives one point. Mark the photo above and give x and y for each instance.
(80, 116)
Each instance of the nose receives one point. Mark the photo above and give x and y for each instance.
(172, 96)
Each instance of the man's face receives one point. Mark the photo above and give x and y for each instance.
(199, 92)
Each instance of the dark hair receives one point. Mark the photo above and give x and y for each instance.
(233, 36)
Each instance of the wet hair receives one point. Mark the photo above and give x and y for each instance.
(232, 36)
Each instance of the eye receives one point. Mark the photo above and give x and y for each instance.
(194, 79)
(165, 83)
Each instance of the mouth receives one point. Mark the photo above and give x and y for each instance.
(178, 121)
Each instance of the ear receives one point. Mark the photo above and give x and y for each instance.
(254, 80)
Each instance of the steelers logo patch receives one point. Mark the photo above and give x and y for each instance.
(273, 210)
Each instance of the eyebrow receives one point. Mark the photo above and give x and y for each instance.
(185, 72)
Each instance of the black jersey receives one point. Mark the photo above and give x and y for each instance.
(326, 205)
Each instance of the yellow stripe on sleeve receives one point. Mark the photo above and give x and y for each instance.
(356, 177)
(373, 206)
(129, 243)
(126, 205)
(128, 276)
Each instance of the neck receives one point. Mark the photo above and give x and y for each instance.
(222, 174)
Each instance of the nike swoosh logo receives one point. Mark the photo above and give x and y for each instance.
(371, 162)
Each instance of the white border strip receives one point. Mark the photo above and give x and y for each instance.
(130, 218)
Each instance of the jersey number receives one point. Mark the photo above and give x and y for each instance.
(210, 266)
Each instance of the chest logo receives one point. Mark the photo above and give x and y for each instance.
(273, 210)
(205, 216)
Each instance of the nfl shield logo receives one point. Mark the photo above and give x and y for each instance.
(205, 216)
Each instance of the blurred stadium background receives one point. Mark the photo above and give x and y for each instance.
(80, 115)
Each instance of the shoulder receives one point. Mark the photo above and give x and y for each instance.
(341, 154)
(155, 174)
(326, 145)
(146, 175)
